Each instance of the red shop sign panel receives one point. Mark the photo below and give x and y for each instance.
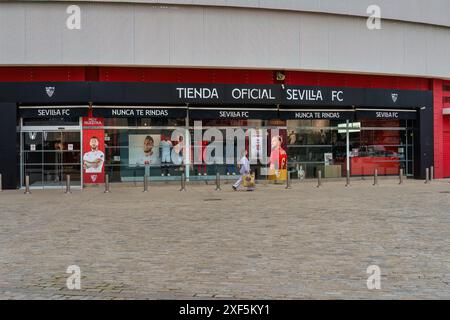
(93, 150)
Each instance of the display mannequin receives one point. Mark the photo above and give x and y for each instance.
(166, 160)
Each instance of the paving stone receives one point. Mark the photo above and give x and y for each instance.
(302, 243)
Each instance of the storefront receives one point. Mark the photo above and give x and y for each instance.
(50, 144)
(128, 130)
(131, 131)
(377, 139)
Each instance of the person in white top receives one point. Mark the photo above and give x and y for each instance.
(166, 160)
(244, 169)
(94, 159)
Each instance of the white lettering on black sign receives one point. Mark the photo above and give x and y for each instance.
(53, 112)
(122, 112)
(304, 95)
(252, 94)
(384, 115)
(337, 95)
(234, 114)
(157, 112)
(330, 115)
(317, 115)
(313, 95)
(197, 93)
(304, 115)
(140, 112)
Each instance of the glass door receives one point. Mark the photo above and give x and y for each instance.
(32, 158)
(409, 152)
(48, 156)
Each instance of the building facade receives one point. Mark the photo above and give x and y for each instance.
(110, 96)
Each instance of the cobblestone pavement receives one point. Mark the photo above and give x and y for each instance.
(306, 242)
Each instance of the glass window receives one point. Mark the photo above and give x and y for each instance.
(133, 151)
(264, 141)
(49, 156)
(315, 145)
(382, 145)
(135, 147)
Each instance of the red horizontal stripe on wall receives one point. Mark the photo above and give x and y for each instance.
(185, 75)
(356, 81)
(197, 75)
(36, 74)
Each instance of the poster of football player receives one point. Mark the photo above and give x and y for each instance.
(278, 159)
(93, 151)
(144, 150)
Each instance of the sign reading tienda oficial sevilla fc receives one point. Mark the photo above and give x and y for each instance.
(238, 94)
(300, 95)
(125, 93)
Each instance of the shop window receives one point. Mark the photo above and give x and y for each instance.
(315, 145)
(133, 151)
(385, 146)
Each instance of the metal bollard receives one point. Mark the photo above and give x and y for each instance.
(319, 178)
(431, 173)
(107, 184)
(68, 184)
(27, 185)
(375, 177)
(218, 182)
(427, 175)
(1, 183)
(288, 180)
(401, 177)
(183, 182)
(347, 183)
(145, 183)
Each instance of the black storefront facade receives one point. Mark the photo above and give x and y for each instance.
(313, 121)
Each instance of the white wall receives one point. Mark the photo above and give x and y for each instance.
(155, 35)
(423, 11)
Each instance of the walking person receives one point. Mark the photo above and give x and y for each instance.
(244, 170)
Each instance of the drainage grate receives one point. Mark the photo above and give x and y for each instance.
(212, 200)
(444, 192)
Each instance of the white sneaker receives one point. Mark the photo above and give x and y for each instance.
(162, 174)
(168, 174)
(234, 173)
(199, 174)
(204, 174)
(228, 173)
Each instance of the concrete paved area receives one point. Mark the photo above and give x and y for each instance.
(201, 244)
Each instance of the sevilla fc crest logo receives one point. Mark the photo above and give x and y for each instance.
(50, 91)
(93, 177)
(394, 97)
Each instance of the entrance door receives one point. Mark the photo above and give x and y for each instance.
(407, 153)
(48, 156)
